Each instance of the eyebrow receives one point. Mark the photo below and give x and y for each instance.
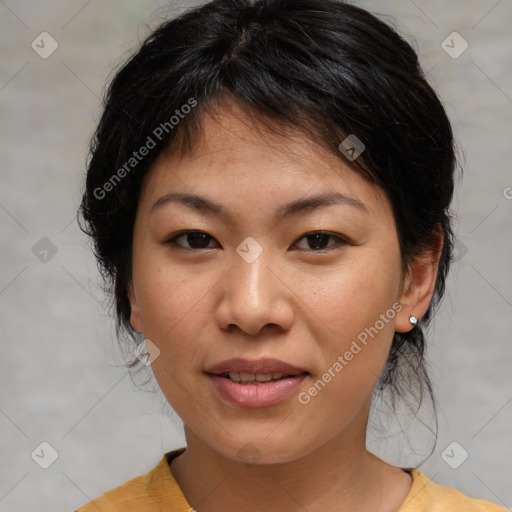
(205, 205)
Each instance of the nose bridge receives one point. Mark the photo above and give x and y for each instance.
(253, 295)
(252, 278)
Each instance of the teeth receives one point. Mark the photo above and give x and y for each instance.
(250, 377)
(263, 377)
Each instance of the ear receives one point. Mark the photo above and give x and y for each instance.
(134, 315)
(419, 284)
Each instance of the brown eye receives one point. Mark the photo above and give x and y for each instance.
(318, 241)
(194, 239)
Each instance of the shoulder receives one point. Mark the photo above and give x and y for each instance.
(427, 496)
(154, 491)
(127, 497)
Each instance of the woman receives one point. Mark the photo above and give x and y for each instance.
(268, 194)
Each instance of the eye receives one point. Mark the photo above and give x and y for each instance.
(195, 239)
(318, 239)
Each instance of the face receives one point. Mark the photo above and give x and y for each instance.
(254, 286)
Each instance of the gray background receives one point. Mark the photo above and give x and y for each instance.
(62, 378)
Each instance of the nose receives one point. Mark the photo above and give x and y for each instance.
(255, 297)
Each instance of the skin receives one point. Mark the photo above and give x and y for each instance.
(295, 302)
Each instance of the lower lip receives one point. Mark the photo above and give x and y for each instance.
(256, 394)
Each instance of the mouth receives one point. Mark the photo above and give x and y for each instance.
(258, 367)
(255, 384)
(257, 378)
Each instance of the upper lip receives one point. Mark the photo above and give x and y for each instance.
(265, 365)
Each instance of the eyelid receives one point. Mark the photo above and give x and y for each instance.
(341, 240)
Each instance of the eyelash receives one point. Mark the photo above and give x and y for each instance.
(341, 241)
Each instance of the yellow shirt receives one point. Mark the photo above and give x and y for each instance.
(158, 491)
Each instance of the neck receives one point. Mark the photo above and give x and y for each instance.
(340, 475)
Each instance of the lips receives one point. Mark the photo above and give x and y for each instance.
(260, 366)
(255, 383)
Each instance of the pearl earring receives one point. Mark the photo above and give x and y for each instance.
(413, 320)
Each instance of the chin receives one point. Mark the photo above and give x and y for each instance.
(258, 450)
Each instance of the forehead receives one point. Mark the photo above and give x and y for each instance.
(236, 154)
(228, 135)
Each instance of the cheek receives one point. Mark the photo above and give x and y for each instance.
(355, 310)
(352, 296)
(173, 313)
(165, 294)
(171, 306)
